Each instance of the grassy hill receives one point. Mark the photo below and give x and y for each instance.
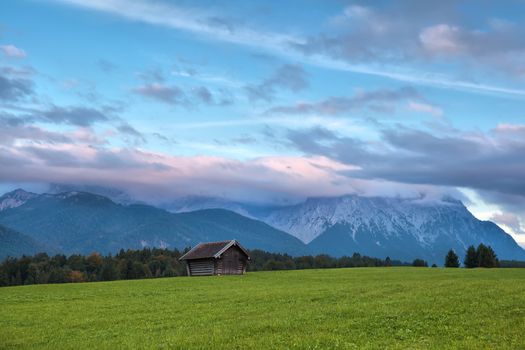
(359, 308)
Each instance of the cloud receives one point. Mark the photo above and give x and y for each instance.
(244, 140)
(165, 139)
(499, 38)
(403, 161)
(414, 156)
(382, 100)
(320, 141)
(266, 179)
(425, 108)
(167, 94)
(159, 177)
(152, 75)
(356, 11)
(367, 38)
(507, 210)
(106, 66)
(75, 115)
(157, 87)
(287, 77)
(14, 89)
(13, 51)
(203, 95)
(128, 130)
(510, 220)
(51, 157)
(13, 128)
(381, 33)
(17, 72)
(195, 20)
(502, 46)
(80, 116)
(510, 131)
(441, 39)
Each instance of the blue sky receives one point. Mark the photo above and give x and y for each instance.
(267, 101)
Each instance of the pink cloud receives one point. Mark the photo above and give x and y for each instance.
(159, 177)
(13, 51)
(425, 108)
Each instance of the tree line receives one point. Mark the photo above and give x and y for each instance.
(482, 256)
(155, 262)
(152, 263)
(265, 261)
(129, 264)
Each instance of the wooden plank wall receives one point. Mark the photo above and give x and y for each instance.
(201, 267)
(232, 262)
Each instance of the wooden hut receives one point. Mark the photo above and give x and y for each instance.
(216, 258)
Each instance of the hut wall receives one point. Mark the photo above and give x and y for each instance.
(201, 267)
(232, 262)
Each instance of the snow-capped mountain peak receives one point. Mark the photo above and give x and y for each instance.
(15, 198)
(311, 218)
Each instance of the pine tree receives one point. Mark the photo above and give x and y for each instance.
(451, 260)
(109, 271)
(419, 263)
(58, 275)
(495, 261)
(169, 271)
(471, 258)
(486, 256)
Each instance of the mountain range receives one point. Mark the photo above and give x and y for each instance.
(405, 229)
(14, 243)
(378, 226)
(81, 222)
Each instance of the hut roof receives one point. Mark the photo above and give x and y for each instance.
(211, 250)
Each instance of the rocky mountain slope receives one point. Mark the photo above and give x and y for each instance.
(15, 198)
(80, 222)
(14, 243)
(400, 228)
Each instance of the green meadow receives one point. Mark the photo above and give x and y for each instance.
(358, 308)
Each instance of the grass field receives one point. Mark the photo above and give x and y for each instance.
(397, 308)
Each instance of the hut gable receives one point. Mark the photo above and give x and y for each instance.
(216, 258)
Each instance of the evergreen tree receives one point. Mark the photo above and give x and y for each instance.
(419, 263)
(471, 258)
(451, 260)
(109, 271)
(154, 262)
(18, 278)
(169, 272)
(138, 270)
(486, 256)
(58, 275)
(93, 262)
(4, 279)
(58, 260)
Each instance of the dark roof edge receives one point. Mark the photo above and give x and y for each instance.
(232, 243)
(183, 257)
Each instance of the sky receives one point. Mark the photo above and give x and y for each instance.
(268, 102)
